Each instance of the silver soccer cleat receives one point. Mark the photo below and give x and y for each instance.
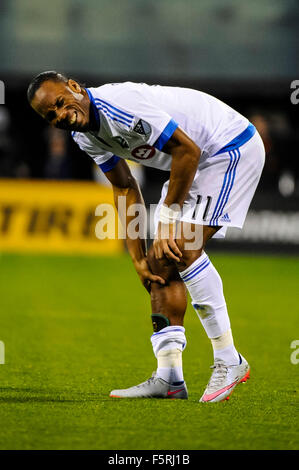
(224, 379)
(155, 387)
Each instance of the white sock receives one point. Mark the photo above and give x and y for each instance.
(205, 287)
(168, 345)
(224, 349)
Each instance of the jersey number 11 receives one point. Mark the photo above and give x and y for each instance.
(198, 202)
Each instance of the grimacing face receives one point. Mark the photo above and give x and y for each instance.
(63, 104)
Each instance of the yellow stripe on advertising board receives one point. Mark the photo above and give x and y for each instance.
(54, 217)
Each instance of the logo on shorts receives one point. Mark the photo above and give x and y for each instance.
(143, 152)
(225, 218)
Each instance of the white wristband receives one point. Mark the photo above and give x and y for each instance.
(168, 216)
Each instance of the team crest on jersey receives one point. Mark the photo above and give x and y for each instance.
(122, 142)
(142, 128)
(143, 152)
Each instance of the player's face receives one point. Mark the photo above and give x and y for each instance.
(63, 105)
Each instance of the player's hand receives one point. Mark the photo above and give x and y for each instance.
(164, 243)
(145, 274)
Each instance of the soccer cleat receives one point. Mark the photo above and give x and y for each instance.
(155, 387)
(224, 379)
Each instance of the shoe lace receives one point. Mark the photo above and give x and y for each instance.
(218, 375)
(148, 381)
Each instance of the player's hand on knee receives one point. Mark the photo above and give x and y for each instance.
(145, 274)
(164, 243)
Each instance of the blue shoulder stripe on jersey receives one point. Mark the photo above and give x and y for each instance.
(112, 113)
(73, 134)
(241, 139)
(99, 106)
(109, 164)
(166, 134)
(115, 109)
(113, 118)
(93, 105)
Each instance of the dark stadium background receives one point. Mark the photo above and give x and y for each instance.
(169, 43)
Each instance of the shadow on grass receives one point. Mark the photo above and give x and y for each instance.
(37, 400)
(42, 395)
(28, 394)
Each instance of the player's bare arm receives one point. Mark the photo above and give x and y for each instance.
(185, 158)
(124, 184)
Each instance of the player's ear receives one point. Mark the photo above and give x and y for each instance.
(74, 86)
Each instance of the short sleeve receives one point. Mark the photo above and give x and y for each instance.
(152, 125)
(158, 124)
(109, 164)
(166, 134)
(105, 160)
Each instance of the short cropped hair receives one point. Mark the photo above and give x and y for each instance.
(40, 79)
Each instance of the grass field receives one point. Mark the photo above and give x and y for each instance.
(74, 328)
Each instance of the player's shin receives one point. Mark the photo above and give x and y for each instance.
(169, 303)
(205, 287)
(168, 344)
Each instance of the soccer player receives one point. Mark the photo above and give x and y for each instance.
(215, 158)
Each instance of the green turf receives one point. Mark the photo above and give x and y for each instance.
(74, 328)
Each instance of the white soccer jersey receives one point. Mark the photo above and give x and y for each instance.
(136, 120)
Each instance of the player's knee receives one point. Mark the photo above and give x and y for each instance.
(188, 258)
(189, 254)
(162, 267)
(194, 248)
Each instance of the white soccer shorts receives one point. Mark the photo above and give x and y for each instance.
(223, 187)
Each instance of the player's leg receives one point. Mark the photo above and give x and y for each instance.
(168, 301)
(206, 290)
(220, 196)
(169, 305)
